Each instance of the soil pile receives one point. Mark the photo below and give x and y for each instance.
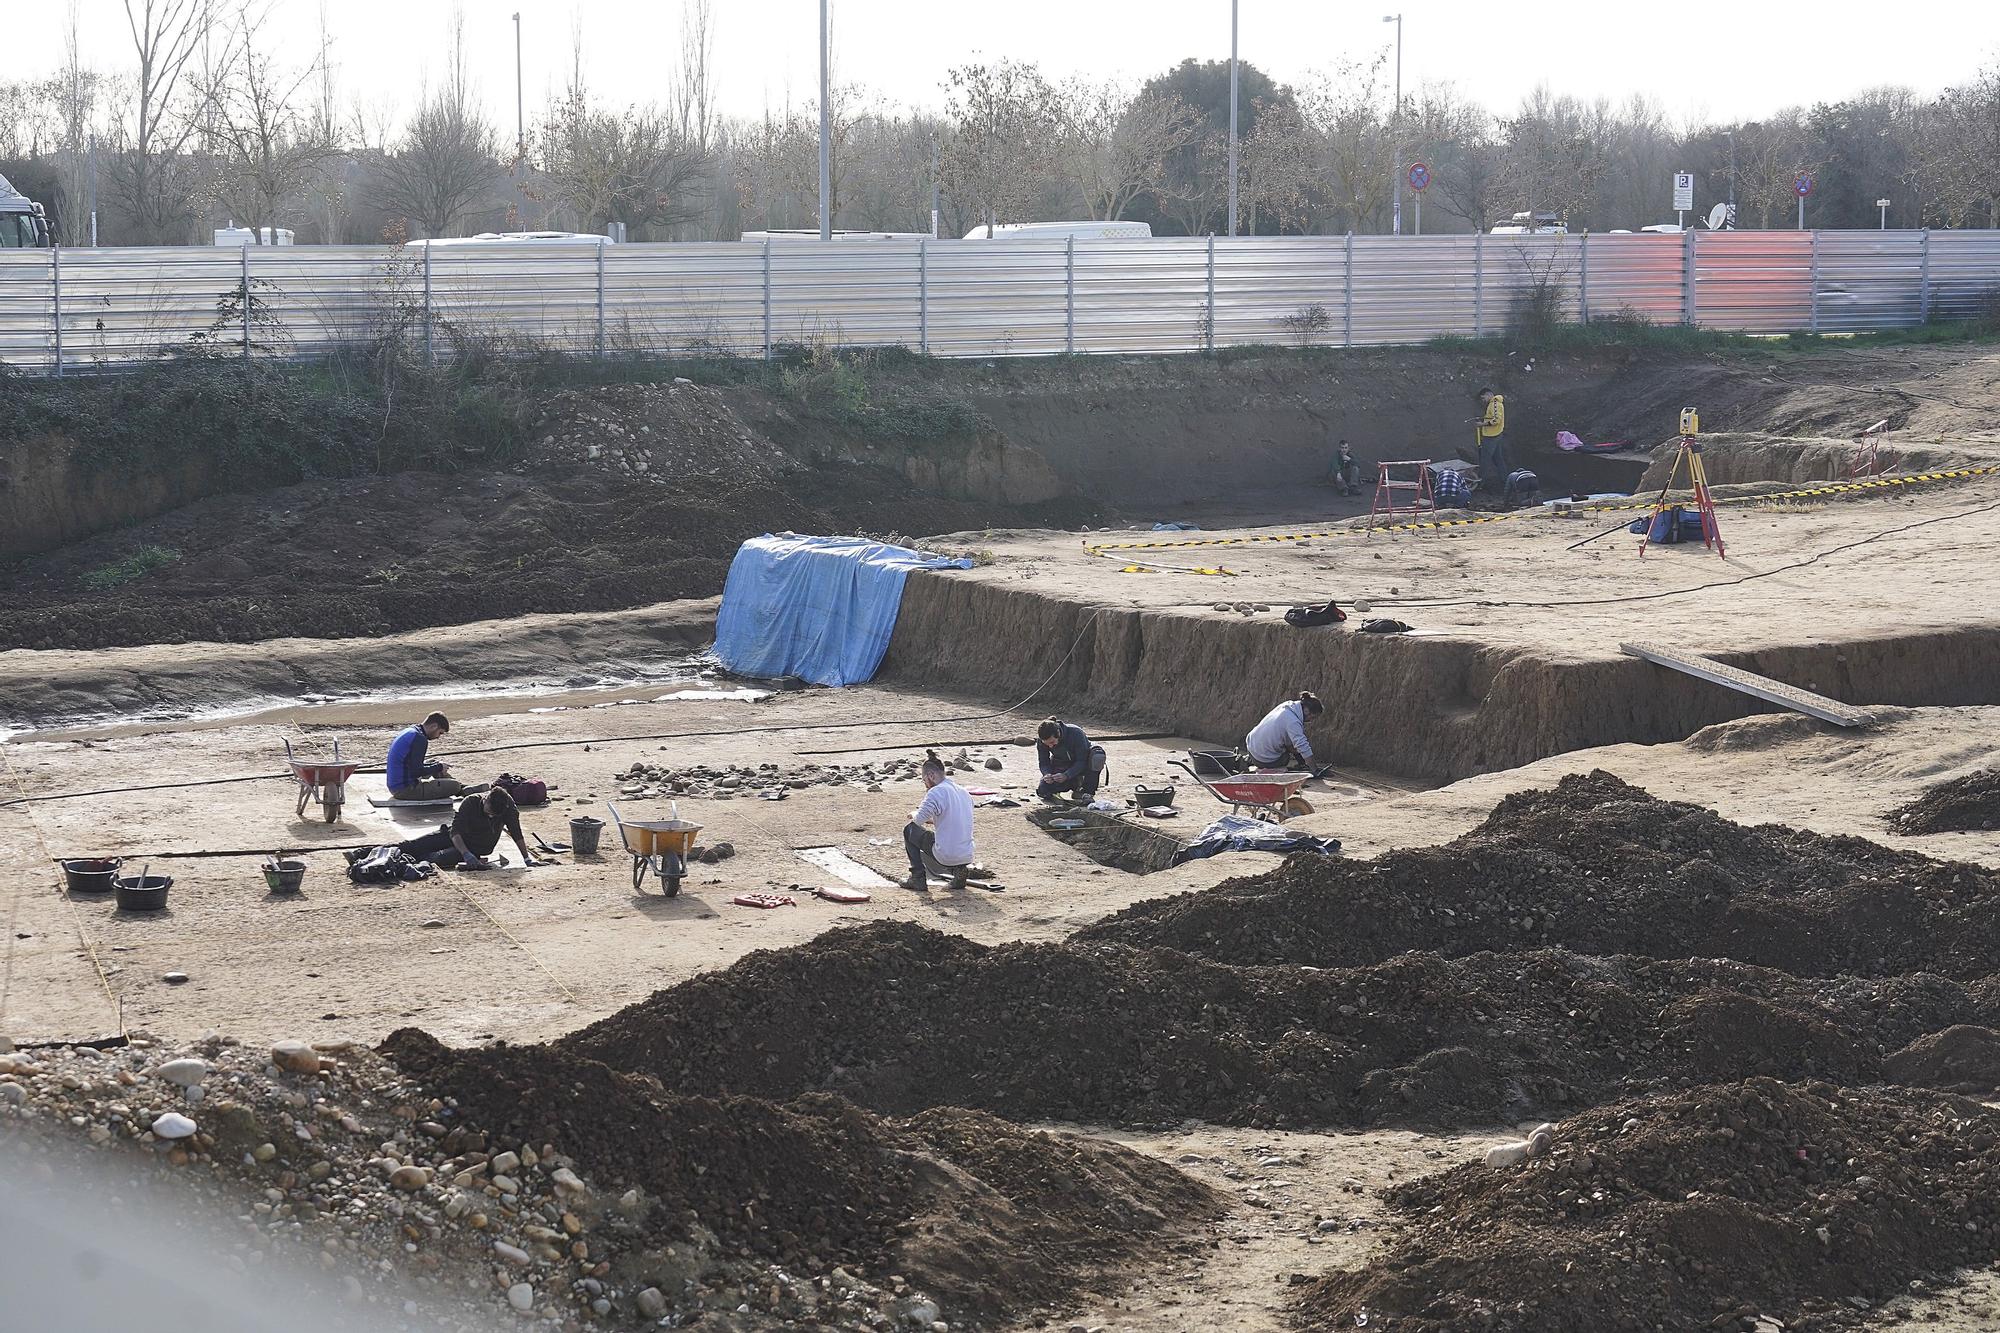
(1962, 805)
(1599, 866)
(900, 1018)
(1704, 1210)
(669, 434)
(982, 1216)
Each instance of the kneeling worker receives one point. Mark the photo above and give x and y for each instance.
(1279, 741)
(946, 847)
(1070, 763)
(413, 776)
(473, 833)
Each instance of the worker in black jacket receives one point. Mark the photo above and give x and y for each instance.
(1070, 763)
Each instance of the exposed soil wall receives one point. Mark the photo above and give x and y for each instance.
(1423, 707)
(1730, 460)
(47, 499)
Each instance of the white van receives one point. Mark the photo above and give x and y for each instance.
(235, 235)
(1532, 224)
(1056, 231)
(792, 234)
(519, 238)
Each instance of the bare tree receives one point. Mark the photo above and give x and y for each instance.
(1003, 131)
(1279, 162)
(1346, 111)
(1555, 153)
(1115, 146)
(1770, 156)
(154, 173)
(265, 135)
(632, 167)
(448, 154)
(694, 117)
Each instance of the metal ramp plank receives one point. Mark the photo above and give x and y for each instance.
(1750, 683)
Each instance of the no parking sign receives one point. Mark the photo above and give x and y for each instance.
(1420, 176)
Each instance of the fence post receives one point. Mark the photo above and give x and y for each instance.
(430, 353)
(1583, 280)
(1069, 297)
(246, 302)
(1479, 284)
(767, 299)
(923, 298)
(1208, 331)
(1924, 279)
(1688, 309)
(55, 256)
(600, 301)
(1812, 318)
(1347, 295)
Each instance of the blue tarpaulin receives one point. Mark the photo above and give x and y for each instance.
(819, 608)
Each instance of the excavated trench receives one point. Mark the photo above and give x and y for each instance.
(1120, 842)
(1459, 707)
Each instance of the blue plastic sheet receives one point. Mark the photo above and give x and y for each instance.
(819, 608)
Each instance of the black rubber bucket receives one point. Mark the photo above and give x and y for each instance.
(143, 893)
(583, 833)
(91, 874)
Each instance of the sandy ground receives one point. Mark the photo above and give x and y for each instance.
(1523, 583)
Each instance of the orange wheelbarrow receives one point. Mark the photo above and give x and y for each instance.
(661, 846)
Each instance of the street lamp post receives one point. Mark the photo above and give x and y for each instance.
(825, 135)
(520, 115)
(1396, 126)
(1232, 117)
(1883, 204)
(1732, 176)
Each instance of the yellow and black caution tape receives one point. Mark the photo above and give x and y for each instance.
(1275, 538)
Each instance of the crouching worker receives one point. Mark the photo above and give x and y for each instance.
(1070, 763)
(473, 833)
(413, 774)
(1279, 741)
(945, 847)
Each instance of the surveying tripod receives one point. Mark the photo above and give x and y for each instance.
(1687, 455)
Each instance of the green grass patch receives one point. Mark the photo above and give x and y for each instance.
(141, 562)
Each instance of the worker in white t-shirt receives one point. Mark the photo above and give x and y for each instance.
(945, 848)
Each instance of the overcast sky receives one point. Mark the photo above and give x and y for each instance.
(1719, 61)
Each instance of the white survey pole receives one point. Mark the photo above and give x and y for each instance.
(825, 133)
(1232, 117)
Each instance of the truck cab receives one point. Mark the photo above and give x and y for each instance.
(23, 225)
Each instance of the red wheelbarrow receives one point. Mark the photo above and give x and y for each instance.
(324, 781)
(1260, 795)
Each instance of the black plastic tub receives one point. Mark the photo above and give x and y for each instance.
(143, 893)
(91, 874)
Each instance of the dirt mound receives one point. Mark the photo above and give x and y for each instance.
(671, 434)
(1697, 1211)
(1599, 866)
(900, 1019)
(1959, 1059)
(981, 1215)
(1962, 805)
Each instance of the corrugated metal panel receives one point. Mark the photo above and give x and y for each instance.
(1964, 274)
(121, 306)
(27, 310)
(1753, 281)
(1868, 280)
(1636, 277)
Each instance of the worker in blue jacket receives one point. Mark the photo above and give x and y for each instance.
(413, 774)
(1070, 763)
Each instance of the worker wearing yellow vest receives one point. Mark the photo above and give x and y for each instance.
(1492, 428)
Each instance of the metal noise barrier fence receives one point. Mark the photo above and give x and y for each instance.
(67, 311)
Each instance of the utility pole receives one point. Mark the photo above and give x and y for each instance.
(825, 133)
(934, 185)
(1396, 128)
(1732, 176)
(520, 105)
(1232, 117)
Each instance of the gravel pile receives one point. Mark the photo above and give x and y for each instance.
(1754, 1207)
(900, 1018)
(1598, 866)
(1969, 804)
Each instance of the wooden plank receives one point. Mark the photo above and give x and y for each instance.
(1750, 683)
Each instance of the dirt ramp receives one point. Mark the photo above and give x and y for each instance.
(1599, 866)
(982, 1217)
(1697, 1211)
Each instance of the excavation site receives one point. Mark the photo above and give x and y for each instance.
(1052, 846)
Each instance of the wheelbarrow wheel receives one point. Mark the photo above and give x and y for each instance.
(672, 884)
(330, 800)
(671, 873)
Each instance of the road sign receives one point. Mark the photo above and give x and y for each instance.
(1683, 191)
(1420, 176)
(1802, 186)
